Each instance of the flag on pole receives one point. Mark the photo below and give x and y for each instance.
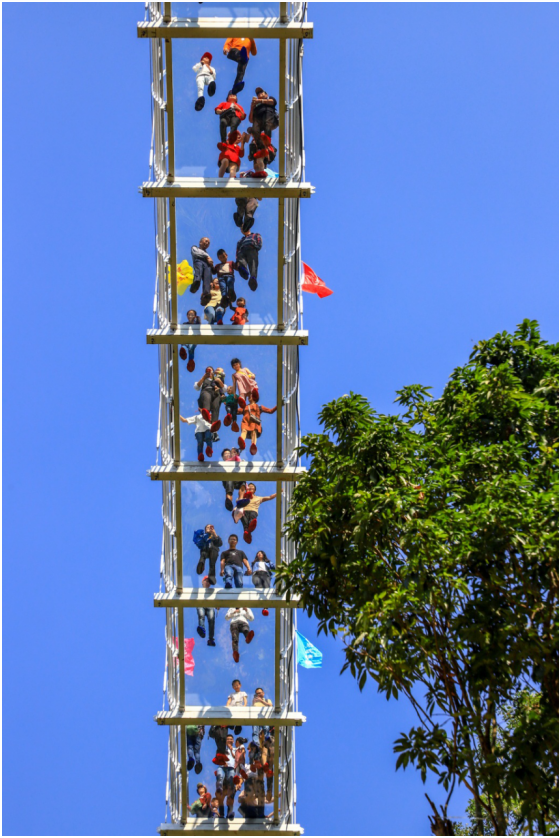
(189, 660)
(312, 283)
(308, 655)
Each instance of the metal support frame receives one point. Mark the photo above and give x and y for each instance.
(268, 28)
(229, 335)
(290, 29)
(222, 187)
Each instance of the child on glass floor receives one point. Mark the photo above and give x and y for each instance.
(244, 382)
(251, 424)
(231, 154)
(231, 402)
(240, 313)
(215, 308)
(248, 513)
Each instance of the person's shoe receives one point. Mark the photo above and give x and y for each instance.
(200, 567)
(253, 284)
(231, 816)
(241, 402)
(236, 657)
(248, 495)
(241, 443)
(238, 219)
(250, 636)
(199, 104)
(183, 353)
(215, 426)
(228, 585)
(229, 505)
(243, 59)
(232, 296)
(219, 322)
(201, 631)
(253, 449)
(257, 765)
(235, 427)
(265, 612)
(198, 768)
(252, 525)
(248, 224)
(237, 730)
(242, 270)
(220, 759)
(195, 286)
(190, 365)
(201, 457)
(211, 88)
(247, 537)
(211, 643)
(255, 393)
(215, 437)
(190, 764)
(227, 420)
(242, 503)
(238, 87)
(205, 414)
(243, 774)
(209, 451)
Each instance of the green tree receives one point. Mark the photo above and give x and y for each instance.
(428, 541)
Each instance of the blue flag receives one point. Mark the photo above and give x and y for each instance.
(308, 655)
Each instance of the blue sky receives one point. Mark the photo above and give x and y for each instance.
(431, 138)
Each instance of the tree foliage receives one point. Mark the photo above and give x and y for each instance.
(428, 540)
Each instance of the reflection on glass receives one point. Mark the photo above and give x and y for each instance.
(235, 767)
(228, 401)
(193, 11)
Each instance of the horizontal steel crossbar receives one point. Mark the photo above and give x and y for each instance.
(254, 471)
(237, 827)
(230, 598)
(230, 716)
(208, 27)
(213, 187)
(228, 335)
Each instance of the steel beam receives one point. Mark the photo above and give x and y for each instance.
(237, 827)
(222, 598)
(207, 27)
(214, 187)
(230, 716)
(230, 335)
(253, 471)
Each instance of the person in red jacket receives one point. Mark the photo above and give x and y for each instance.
(238, 50)
(231, 114)
(231, 154)
(240, 313)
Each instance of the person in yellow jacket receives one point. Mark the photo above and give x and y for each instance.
(238, 50)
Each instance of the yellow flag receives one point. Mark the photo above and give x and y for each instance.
(185, 276)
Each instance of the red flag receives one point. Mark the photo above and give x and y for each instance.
(189, 660)
(312, 283)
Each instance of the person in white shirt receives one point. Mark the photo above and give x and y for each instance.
(237, 698)
(205, 76)
(202, 432)
(239, 623)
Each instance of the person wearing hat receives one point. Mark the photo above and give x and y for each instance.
(238, 49)
(205, 76)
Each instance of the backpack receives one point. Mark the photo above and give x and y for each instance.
(201, 539)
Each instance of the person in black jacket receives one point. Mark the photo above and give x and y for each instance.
(210, 552)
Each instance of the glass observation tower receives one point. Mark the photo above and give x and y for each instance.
(227, 323)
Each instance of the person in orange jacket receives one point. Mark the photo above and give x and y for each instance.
(238, 50)
(251, 424)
